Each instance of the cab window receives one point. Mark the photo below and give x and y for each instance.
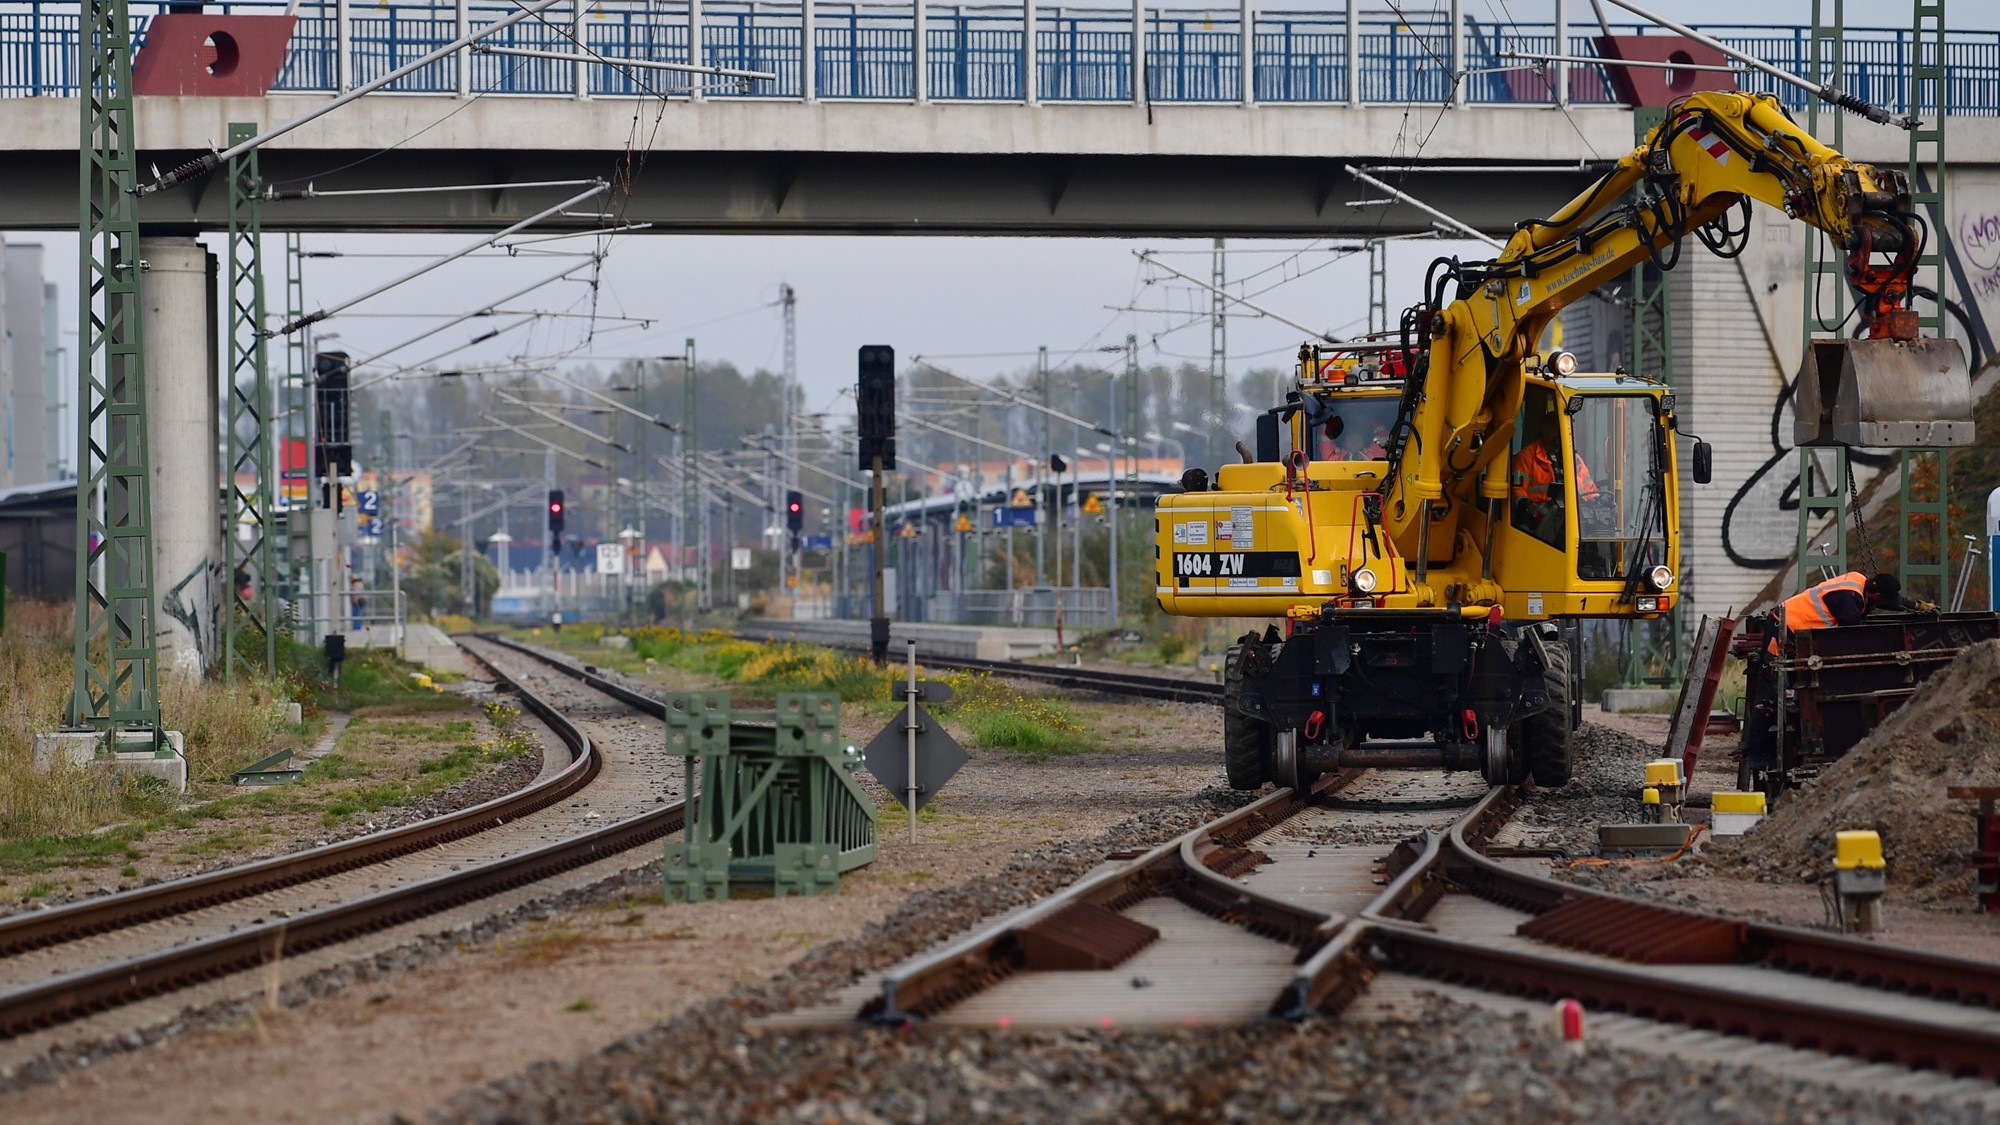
(1536, 492)
(1354, 428)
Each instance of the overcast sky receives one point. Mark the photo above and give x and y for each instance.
(986, 302)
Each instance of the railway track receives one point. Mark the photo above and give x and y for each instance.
(1067, 677)
(77, 961)
(1288, 907)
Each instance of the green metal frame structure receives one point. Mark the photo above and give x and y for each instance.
(1378, 287)
(1923, 555)
(775, 800)
(116, 681)
(1821, 494)
(249, 628)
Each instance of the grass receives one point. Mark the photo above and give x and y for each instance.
(46, 816)
(993, 712)
(85, 817)
(370, 737)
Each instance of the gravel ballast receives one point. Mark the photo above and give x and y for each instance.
(1443, 1061)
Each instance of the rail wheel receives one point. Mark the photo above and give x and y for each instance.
(1285, 769)
(1548, 737)
(1501, 760)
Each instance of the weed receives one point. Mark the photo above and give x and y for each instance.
(581, 1004)
(129, 871)
(40, 888)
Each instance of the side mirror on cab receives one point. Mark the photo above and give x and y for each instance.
(1267, 437)
(1704, 462)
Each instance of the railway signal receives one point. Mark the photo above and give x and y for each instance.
(875, 403)
(795, 512)
(557, 513)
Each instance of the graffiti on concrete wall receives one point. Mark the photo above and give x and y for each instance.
(1979, 250)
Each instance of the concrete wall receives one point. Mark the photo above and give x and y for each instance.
(9, 416)
(178, 295)
(22, 293)
(1972, 202)
(56, 437)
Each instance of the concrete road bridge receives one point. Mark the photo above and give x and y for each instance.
(924, 119)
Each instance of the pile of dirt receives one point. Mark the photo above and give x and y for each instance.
(1894, 782)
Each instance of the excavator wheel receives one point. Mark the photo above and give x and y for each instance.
(1247, 743)
(1247, 746)
(1548, 736)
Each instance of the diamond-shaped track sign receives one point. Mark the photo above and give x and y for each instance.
(939, 756)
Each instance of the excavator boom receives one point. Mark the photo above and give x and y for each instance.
(1430, 514)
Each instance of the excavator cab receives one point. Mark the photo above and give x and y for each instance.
(1592, 492)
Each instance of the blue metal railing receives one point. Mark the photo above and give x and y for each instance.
(978, 53)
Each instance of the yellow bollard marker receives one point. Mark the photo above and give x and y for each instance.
(1859, 875)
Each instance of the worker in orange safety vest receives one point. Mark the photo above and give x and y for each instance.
(1535, 467)
(1845, 600)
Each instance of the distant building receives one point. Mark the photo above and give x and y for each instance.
(30, 376)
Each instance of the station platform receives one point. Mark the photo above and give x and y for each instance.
(975, 642)
(423, 645)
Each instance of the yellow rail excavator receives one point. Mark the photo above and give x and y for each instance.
(1428, 513)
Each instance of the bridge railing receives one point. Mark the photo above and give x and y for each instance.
(981, 53)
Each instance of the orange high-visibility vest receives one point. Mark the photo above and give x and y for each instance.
(1538, 471)
(1807, 608)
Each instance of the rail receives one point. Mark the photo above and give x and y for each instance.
(85, 993)
(1068, 677)
(981, 53)
(1601, 948)
(42, 928)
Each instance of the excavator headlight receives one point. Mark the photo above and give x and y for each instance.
(1562, 363)
(1364, 580)
(1662, 577)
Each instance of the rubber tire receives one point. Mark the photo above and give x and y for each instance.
(1548, 734)
(1246, 749)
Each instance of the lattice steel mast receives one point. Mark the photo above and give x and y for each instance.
(250, 623)
(115, 685)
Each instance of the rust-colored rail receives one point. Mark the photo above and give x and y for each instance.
(199, 892)
(1389, 934)
(1072, 924)
(95, 990)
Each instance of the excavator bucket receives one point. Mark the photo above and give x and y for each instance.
(1884, 394)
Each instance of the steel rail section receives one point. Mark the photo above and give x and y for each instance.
(79, 995)
(199, 892)
(1809, 952)
(1389, 933)
(935, 981)
(1872, 1036)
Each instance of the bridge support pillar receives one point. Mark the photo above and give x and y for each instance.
(177, 293)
